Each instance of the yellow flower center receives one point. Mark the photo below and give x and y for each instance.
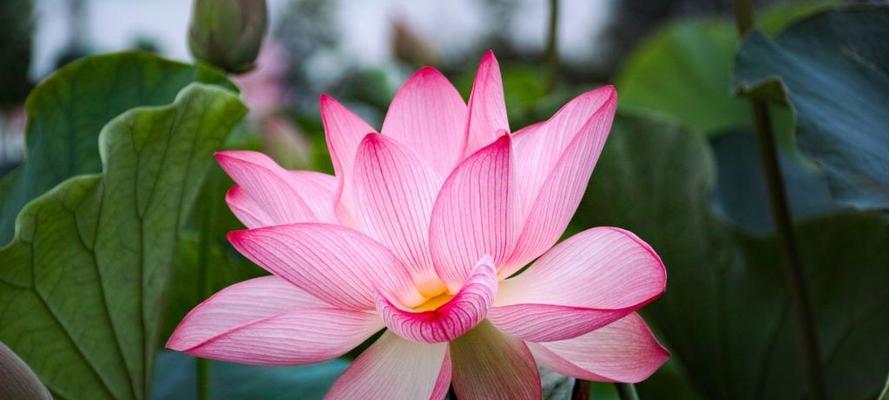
(432, 294)
(433, 303)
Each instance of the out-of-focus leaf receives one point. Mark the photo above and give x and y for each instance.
(175, 379)
(654, 179)
(846, 262)
(725, 314)
(370, 86)
(606, 391)
(83, 283)
(67, 111)
(741, 196)
(685, 70)
(834, 71)
(314, 131)
(672, 379)
(776, 18)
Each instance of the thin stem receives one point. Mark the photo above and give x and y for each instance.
(202, 366)
(581, 390)
(743, 16)
(626, 391)
(202, 369)
(784, 233)
(786, 238)
(552, 46)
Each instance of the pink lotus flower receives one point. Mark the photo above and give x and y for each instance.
(420, 232)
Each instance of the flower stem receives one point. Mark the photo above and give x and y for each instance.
(626, 391)
(552, 46)
(784, 233)
(202, 366)
(202, 377)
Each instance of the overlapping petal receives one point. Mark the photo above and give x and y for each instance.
(588, 281)
(490, 365)
(475, 213)
(268, 187)
(396, 191)
(250, 212)
(541, 145)
(463, 312)
(394, 368)
(317, 191)
(429, 116)
(623, 351)
(487, 107)
(339, 265)
(558, 157)
(267, 320)
(344, 131)
(415, 233)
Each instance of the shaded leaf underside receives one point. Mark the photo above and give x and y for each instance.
(725, 315)
(833, 69)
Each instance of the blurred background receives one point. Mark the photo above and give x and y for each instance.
(358, 51)
(681, 168)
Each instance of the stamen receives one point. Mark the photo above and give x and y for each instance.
(434, 302)
(430, 287)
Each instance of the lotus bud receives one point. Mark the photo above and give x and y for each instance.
(227, 33)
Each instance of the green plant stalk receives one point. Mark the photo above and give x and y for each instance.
(202, 369)
(552, 46)
(626, 391)
(202, 366)
(784, 233)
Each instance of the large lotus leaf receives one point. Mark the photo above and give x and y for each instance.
(83, 282)
(834, 71)
(654, 179)
(741, 196)
(725, 314)
(846, 262)
(67, 111)
(684, 71)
